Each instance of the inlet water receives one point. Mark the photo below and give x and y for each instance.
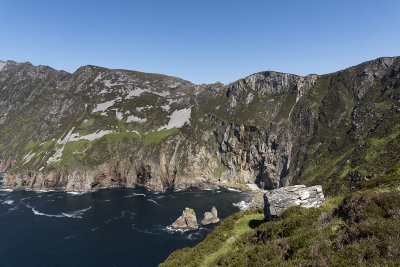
(117, 227)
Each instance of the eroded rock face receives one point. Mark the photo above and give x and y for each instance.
(187, 221)
(278, 200)
(210, 217)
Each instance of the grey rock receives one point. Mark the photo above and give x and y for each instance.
(210, 217)
(187, 221)
(278, 200)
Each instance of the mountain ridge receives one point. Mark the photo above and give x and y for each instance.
(117, 128)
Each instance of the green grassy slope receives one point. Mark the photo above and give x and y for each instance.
(361, 228)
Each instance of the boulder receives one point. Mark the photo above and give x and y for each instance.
(276, 201)
(210, 217)
(187, 221)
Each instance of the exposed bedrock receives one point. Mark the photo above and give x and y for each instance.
(210, 217)
(187, 221)
(278, 200)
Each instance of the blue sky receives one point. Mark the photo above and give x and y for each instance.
(201, 41)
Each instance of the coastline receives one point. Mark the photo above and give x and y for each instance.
(256, 196)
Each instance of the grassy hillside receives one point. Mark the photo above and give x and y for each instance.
(361, 228)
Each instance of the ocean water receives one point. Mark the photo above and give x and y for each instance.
(116, 227)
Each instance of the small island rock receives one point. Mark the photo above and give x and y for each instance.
(187, 221)
(210, 217)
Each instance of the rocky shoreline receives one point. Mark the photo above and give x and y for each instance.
(256, 196)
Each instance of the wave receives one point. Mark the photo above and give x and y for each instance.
(172, 230)
(123, 214)
(8, 201)
(44, 191)
(193, 236)
(45, 214)
(233, 189)
(6, 190)
(75, 193)
(76, 214)
(134, 195)
(178, 190)
(242, 205)
(152, 200)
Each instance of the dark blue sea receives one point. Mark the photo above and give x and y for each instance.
(116, 227)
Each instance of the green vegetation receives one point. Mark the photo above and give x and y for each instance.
(31, 145)
(362, 229)
(218, 171)
(241, 226)
(118, 137)
(156, 137)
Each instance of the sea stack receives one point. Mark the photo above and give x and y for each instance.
(210, 217)
(187, 221)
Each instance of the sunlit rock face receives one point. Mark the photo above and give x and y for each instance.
(278, 200)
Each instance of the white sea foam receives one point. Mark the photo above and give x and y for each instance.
(6, 190)
(234, 190)
(76, 214)
(45, 214)
(75, 193)
(242, 205)
(172, 230)
(134, 195)
(8, 201)
(44, 191)
(152, 200)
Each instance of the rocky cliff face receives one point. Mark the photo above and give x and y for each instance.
(101, 128)
(278, 200)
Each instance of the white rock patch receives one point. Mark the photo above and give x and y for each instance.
(133, 118)
(178, 119)
(136, 92)
(104, 106)
(28, 157)
(145, 107)
(93, 136)
(60, 148)
(2, 65)
(119, 115)
(109, 84)
(166, 107)
(72, 137)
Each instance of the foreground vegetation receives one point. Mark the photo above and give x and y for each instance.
(361, 228)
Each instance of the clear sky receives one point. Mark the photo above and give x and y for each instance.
(201, 41)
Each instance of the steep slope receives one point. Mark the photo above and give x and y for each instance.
(99, 128)
(361, 229)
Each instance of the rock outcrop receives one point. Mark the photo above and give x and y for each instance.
(187, 221)
(278, 200)
(210, 217)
